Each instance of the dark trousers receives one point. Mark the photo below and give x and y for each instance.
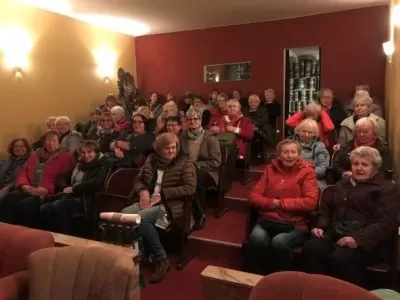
(20, 208)
(57, 216)
(322, 256)
(204, 181)
(269, 247)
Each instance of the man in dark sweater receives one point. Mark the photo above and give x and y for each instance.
(332, 107)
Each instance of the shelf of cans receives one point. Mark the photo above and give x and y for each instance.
(304, 83)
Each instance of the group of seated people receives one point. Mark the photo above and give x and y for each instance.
(178, 151)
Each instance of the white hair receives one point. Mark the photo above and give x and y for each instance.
(234, 102)
(194, 111)
(308, 122)
(255, 97)
(362, 97)
(313, 106)
(63, 119)
(366, 121)
(118, 110)
(369, 153)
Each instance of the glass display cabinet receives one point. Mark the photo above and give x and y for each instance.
(302, 81)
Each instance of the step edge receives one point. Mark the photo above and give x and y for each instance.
(225, 243)
(236, 198)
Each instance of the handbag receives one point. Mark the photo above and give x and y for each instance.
(225, 138)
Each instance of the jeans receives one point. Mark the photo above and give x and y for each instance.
(57, 215)
(270, 245)
(147, 229)
(323, 256)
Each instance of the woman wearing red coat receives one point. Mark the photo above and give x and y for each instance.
(36, 181)
(285, 195)
(314, 111)
(234, 122)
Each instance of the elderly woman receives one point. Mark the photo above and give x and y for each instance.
(365, 134)
(364, 89)
(285, 194)
(235, 123)
(314, 111)
(170, 109)
(166, 178)
(36, 181)
(273, 107)
(362, 108)
(110, 102)
(78, 190)
(356, 222)
(174, 125)
(263, 132)
(313, 149)
(50, 125)
(19, 151)
(130, 150)
(148, 114)
(203, 148)
(219, 110)
(155, 104)
(106, 133)
(121, 123)
(206, 114)
(70, 139)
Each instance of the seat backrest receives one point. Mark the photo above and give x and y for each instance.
(302, 286)
(87, 273)
(17, 243)
(120, 182)
(325, 194)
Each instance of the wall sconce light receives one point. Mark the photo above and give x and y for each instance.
(106, 59)
(15, 43)
(388, 49)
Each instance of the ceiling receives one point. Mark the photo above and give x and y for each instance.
(161, 16)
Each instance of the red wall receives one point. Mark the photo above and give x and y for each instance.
(351, 53)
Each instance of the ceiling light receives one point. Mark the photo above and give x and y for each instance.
(121, 25)
(388, 48)
(57, 6)
(396, 15)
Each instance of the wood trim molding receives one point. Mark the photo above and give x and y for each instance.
(223, 284)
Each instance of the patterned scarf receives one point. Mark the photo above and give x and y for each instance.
(195, 134)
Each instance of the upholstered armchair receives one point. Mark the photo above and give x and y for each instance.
(16, 244)
(302, 286)
(86, 273)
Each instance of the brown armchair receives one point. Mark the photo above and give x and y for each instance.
(87, 273)
(302, 286)
(16, 244)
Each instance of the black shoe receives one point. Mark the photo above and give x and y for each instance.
(200, 223)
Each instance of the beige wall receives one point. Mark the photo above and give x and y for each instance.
(61, 79)
(393, 98)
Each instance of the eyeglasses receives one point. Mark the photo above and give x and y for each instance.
(138, 122)
(105, 120)
(193, 119)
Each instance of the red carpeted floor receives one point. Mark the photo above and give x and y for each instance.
(178, 285)
(230, 228)
(239, 190)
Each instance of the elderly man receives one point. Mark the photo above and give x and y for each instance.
(332, 107)
(50, 125)
(70, 139)
(365, 134)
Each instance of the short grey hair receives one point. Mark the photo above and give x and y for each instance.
(307, 122)
(369, 153)
(143, 110)
(326, 90)
(366, 121)
(118, 110)
(234, 102)
(362, 97)
(313, 106)
(63, 119)
(255, 97)
(194, 111)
